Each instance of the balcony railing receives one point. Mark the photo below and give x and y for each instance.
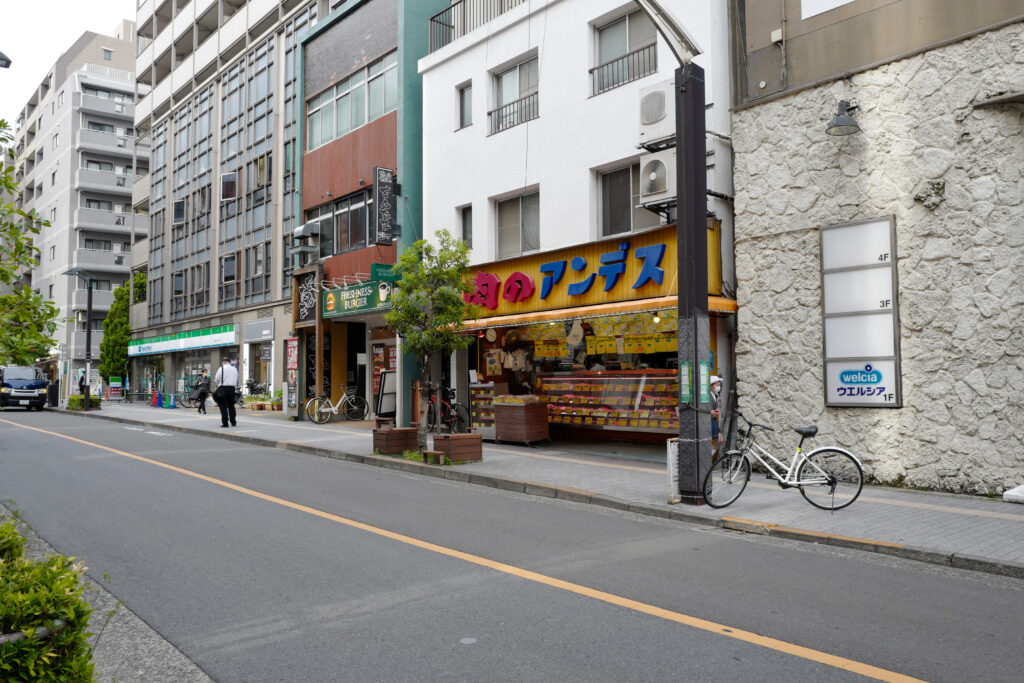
(629, 67)
(464, 16)
(512, 114)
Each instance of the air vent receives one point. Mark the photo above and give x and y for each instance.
(652, 108)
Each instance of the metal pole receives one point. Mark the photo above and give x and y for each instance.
(88, 342)
(691, 234)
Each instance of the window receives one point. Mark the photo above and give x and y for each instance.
(99, 204)
(101, 127)
(364, 96)
(626, 51)
(50, 295)
(53, 141)
(100, 166)
(519, 225)
(53, 252)
(53, 179)
(107, 54)
(229, 267)
(98, 245)
(101, 285)
(620, 199)
(178, 284)
(179, 212)
(53, 215)
(228, 186)
(465, 106)
(516, 91)
(466, 214)
(60, 99)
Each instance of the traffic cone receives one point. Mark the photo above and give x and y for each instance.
(153, 401)
(174, 403)
(159, 400)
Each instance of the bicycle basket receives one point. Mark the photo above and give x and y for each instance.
(352, 390)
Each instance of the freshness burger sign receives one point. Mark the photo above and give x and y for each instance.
(373, 295)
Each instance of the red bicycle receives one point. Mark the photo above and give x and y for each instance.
(454, 415)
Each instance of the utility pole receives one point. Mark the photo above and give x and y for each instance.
(693, 332)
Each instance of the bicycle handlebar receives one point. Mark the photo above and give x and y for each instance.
(753, 424)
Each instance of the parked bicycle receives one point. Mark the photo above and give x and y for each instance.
(454, 415)
(829, 478)
(351, 405)
(255, 388)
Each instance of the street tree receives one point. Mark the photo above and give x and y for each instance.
(139, 288)
(429, 308)
(27, 320)
(116, 333)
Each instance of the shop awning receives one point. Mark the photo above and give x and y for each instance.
(717, 304)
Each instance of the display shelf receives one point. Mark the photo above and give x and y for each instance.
(481, 409)
(613, 401)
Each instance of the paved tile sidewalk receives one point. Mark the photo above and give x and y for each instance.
(962, 530)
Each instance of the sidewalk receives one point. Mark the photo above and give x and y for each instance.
(963, 531)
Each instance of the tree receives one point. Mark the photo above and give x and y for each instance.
(27, 320)
(139, 287)
(116, 333)
(428, 307)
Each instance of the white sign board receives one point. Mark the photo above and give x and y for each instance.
(860, 326)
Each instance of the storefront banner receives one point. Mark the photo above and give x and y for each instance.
(225, 335)
(625, 268)
(383, 272)
(383, 205)
(291, 353)
(860, 382)
(367, 297)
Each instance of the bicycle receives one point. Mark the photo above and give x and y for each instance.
(454, 415)
(351, 405)
(829, 478)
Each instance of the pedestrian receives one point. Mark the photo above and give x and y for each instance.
(716, 391)
(204, 390)
(227, 385)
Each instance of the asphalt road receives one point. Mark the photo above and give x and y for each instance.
(279, 566)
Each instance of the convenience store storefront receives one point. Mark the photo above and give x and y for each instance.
(591, 331)
(171, 361)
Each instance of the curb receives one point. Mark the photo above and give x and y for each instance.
(945, 559)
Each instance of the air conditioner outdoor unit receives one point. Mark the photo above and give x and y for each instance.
(119, 260)
(657, 116)
(658, 178)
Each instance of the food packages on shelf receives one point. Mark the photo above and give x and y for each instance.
(509, 400)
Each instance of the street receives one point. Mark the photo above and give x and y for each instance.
(265, 564)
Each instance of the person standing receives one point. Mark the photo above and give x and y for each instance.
(716, 390)
(204, 390)
(227, 385)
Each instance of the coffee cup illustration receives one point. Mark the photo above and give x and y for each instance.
(384, 290)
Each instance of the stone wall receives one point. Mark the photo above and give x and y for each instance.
(952, 176)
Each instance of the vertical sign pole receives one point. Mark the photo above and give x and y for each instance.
(694, 335)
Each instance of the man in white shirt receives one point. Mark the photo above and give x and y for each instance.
(227, 385)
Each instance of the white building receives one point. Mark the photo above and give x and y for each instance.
(531, 153)
(76, 152)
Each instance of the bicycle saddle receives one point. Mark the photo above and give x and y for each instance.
(806, 431)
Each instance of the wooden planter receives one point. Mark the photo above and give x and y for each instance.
(276, 406)
(397, 440)
(526, 424)
(460, 447)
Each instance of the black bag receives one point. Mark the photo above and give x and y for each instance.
(219, 395)
(194, 395)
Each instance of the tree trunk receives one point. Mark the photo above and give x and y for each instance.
(424, 402)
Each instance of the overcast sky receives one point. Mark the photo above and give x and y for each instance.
(34, 34)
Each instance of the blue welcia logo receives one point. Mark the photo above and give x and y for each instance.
(866, 376)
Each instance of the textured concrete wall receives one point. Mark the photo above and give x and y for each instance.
(951, 174)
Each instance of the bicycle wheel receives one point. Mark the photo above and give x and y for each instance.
(318, 410)
(183, 400)
(458, 419)
(431, 417)
(356, 408)
(830, 479)
(726, 479)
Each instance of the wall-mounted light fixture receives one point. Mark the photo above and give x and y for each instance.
(657, 318)
(5, 61)
(842, 123)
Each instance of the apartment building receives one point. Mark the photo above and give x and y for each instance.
(221, 193)
(878, 222)
(548, 135)
(77, 159)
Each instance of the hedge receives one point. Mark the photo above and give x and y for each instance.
(41, 595)
(75, 402)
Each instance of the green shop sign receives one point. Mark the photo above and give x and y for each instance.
(366, 297)
(383, 271)
(225, 335)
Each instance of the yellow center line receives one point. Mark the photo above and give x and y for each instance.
(767, 642)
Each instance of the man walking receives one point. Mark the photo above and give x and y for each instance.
(227, 385)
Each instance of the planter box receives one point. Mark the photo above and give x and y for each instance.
(525, 424)
(276, 406)
(395, 440)
(460, 447)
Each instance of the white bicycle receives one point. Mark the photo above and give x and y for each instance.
(351, 405)
(829, 478)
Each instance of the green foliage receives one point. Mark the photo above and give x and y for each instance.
(75, 402)
(27, 320)
(428, 308)
(139, 287)
(11, 544)
(35, 595)
(116, 333)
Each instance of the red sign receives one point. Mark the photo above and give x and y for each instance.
(291, 353)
